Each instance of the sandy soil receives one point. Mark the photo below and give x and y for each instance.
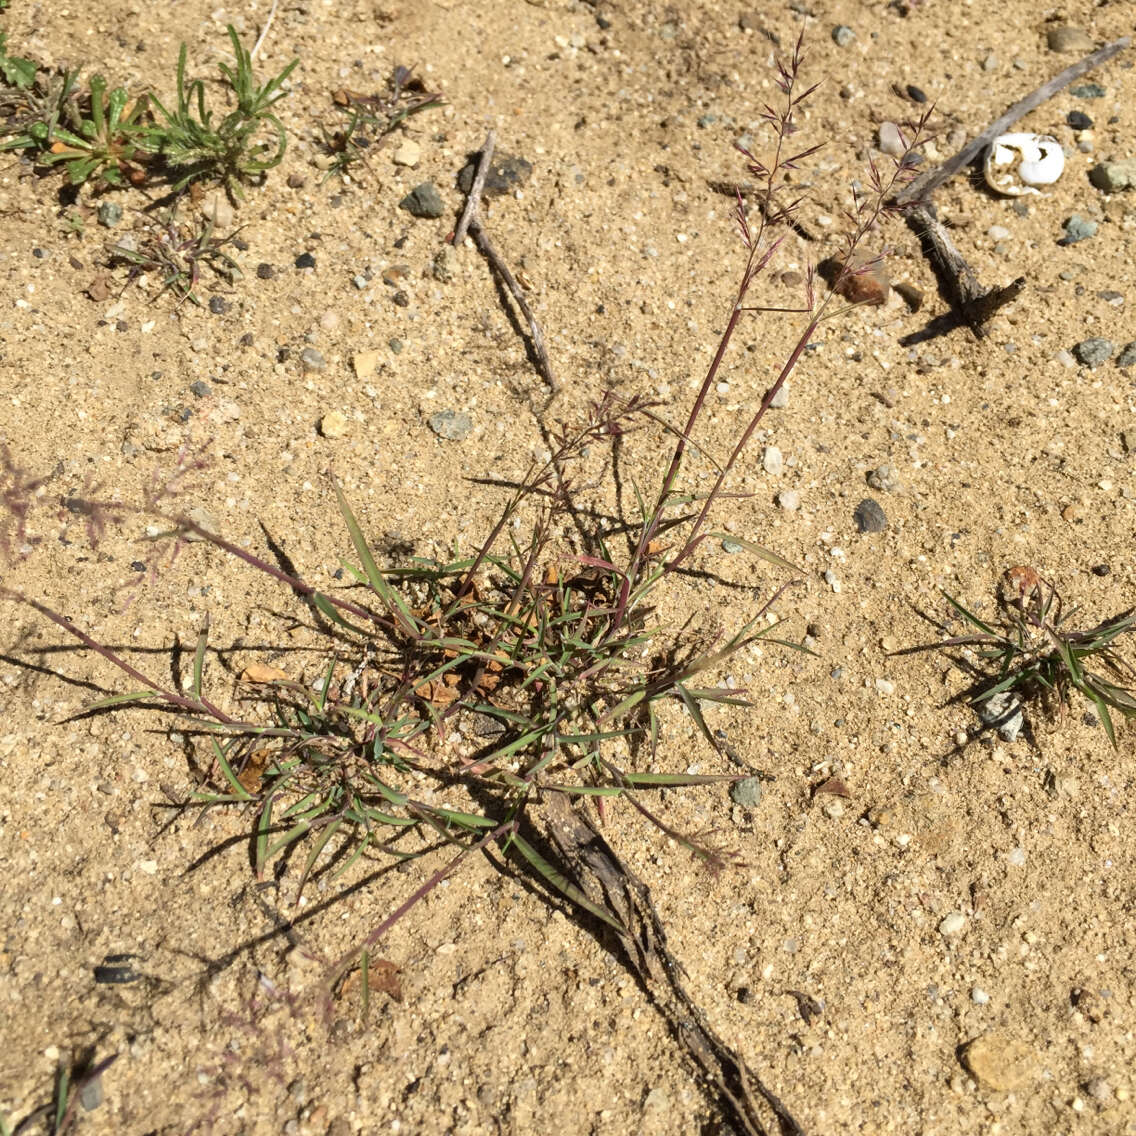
(514, 1018)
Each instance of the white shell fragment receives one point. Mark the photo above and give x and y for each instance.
(1017, 163)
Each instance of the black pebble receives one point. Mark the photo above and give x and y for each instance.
(915, 93)
(1078, 120)
(1101, 569)
(305, 260)
(869, 517)
(265, 271)
(218, 306)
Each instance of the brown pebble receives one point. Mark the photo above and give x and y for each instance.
(1073, 513)
(910, 295)
(866, 282)
(1000, 1062)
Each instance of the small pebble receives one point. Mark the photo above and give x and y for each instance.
(423, 200)
(789, 500)
(444, 264)
(218, 210)
(1128, 437)
(1078, 120)
(979, 996)
(407, 154)
(870, 517)
(507, 173)
(842, 35)
(451, 425)
(360, 281)
(885, 687)
(1000, 1062)
(891, 140)
(832, 580)
(296, 181)
(1094, 351)
(998, 232)
(1112, 177)
(1100, 569)
(1065, 38)
(1003, 711)
(200, 389)
(732, 546)
(746, 792)
(781, 399)
(952, 924)
(365, 363)
(265, 271)
(305, 260)
(1077, 228)
(109, 214)
(990, 63)
(312, 360)
(916, 94)
(1127, 356)
(1088, 91)
(772, 461)
(329, 321)
(884, 478)
(91, 1094)
(334, 424)
(218, 305)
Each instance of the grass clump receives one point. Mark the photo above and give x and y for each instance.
(1031, 653)
(454, 696)
(178, 252)
(371, 119)
(109, 138)
(197, 142)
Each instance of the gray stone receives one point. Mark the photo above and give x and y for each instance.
(1112, 177)
(789, 500)
(1094, 351)
(891, 140)
(772, 461)
(781, 399)
(842, 35)
(312, 360)
(1127, 356)
(110, 213)
(423, 200)
(506, 173)
(1088, 91)
(870, 517)
(1079, 229)
(1004, 712)
(451, 425)
(746, 792)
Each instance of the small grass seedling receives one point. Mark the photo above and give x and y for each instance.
(1031, 651)
(177, 252)
(371, 118)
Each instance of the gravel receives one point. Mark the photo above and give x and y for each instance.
(870, 517)
(451, 425)
(842, 35)
(424, 201)
(1094, 351)
(312, 360)
(1077, 228)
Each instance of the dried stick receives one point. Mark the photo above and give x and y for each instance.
(473, 202)
(264, 31)
(470, 222)
(610, 885)
(978, 304)
(481, 238)
(926, 184)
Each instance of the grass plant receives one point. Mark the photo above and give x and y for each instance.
(111, 137)
(453, 696)
(178, 252)
(196, 141)
(370, 119)
(1030, 650)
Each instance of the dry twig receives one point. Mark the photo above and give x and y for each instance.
(471, 221)
(978, 304)
(610, 885)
